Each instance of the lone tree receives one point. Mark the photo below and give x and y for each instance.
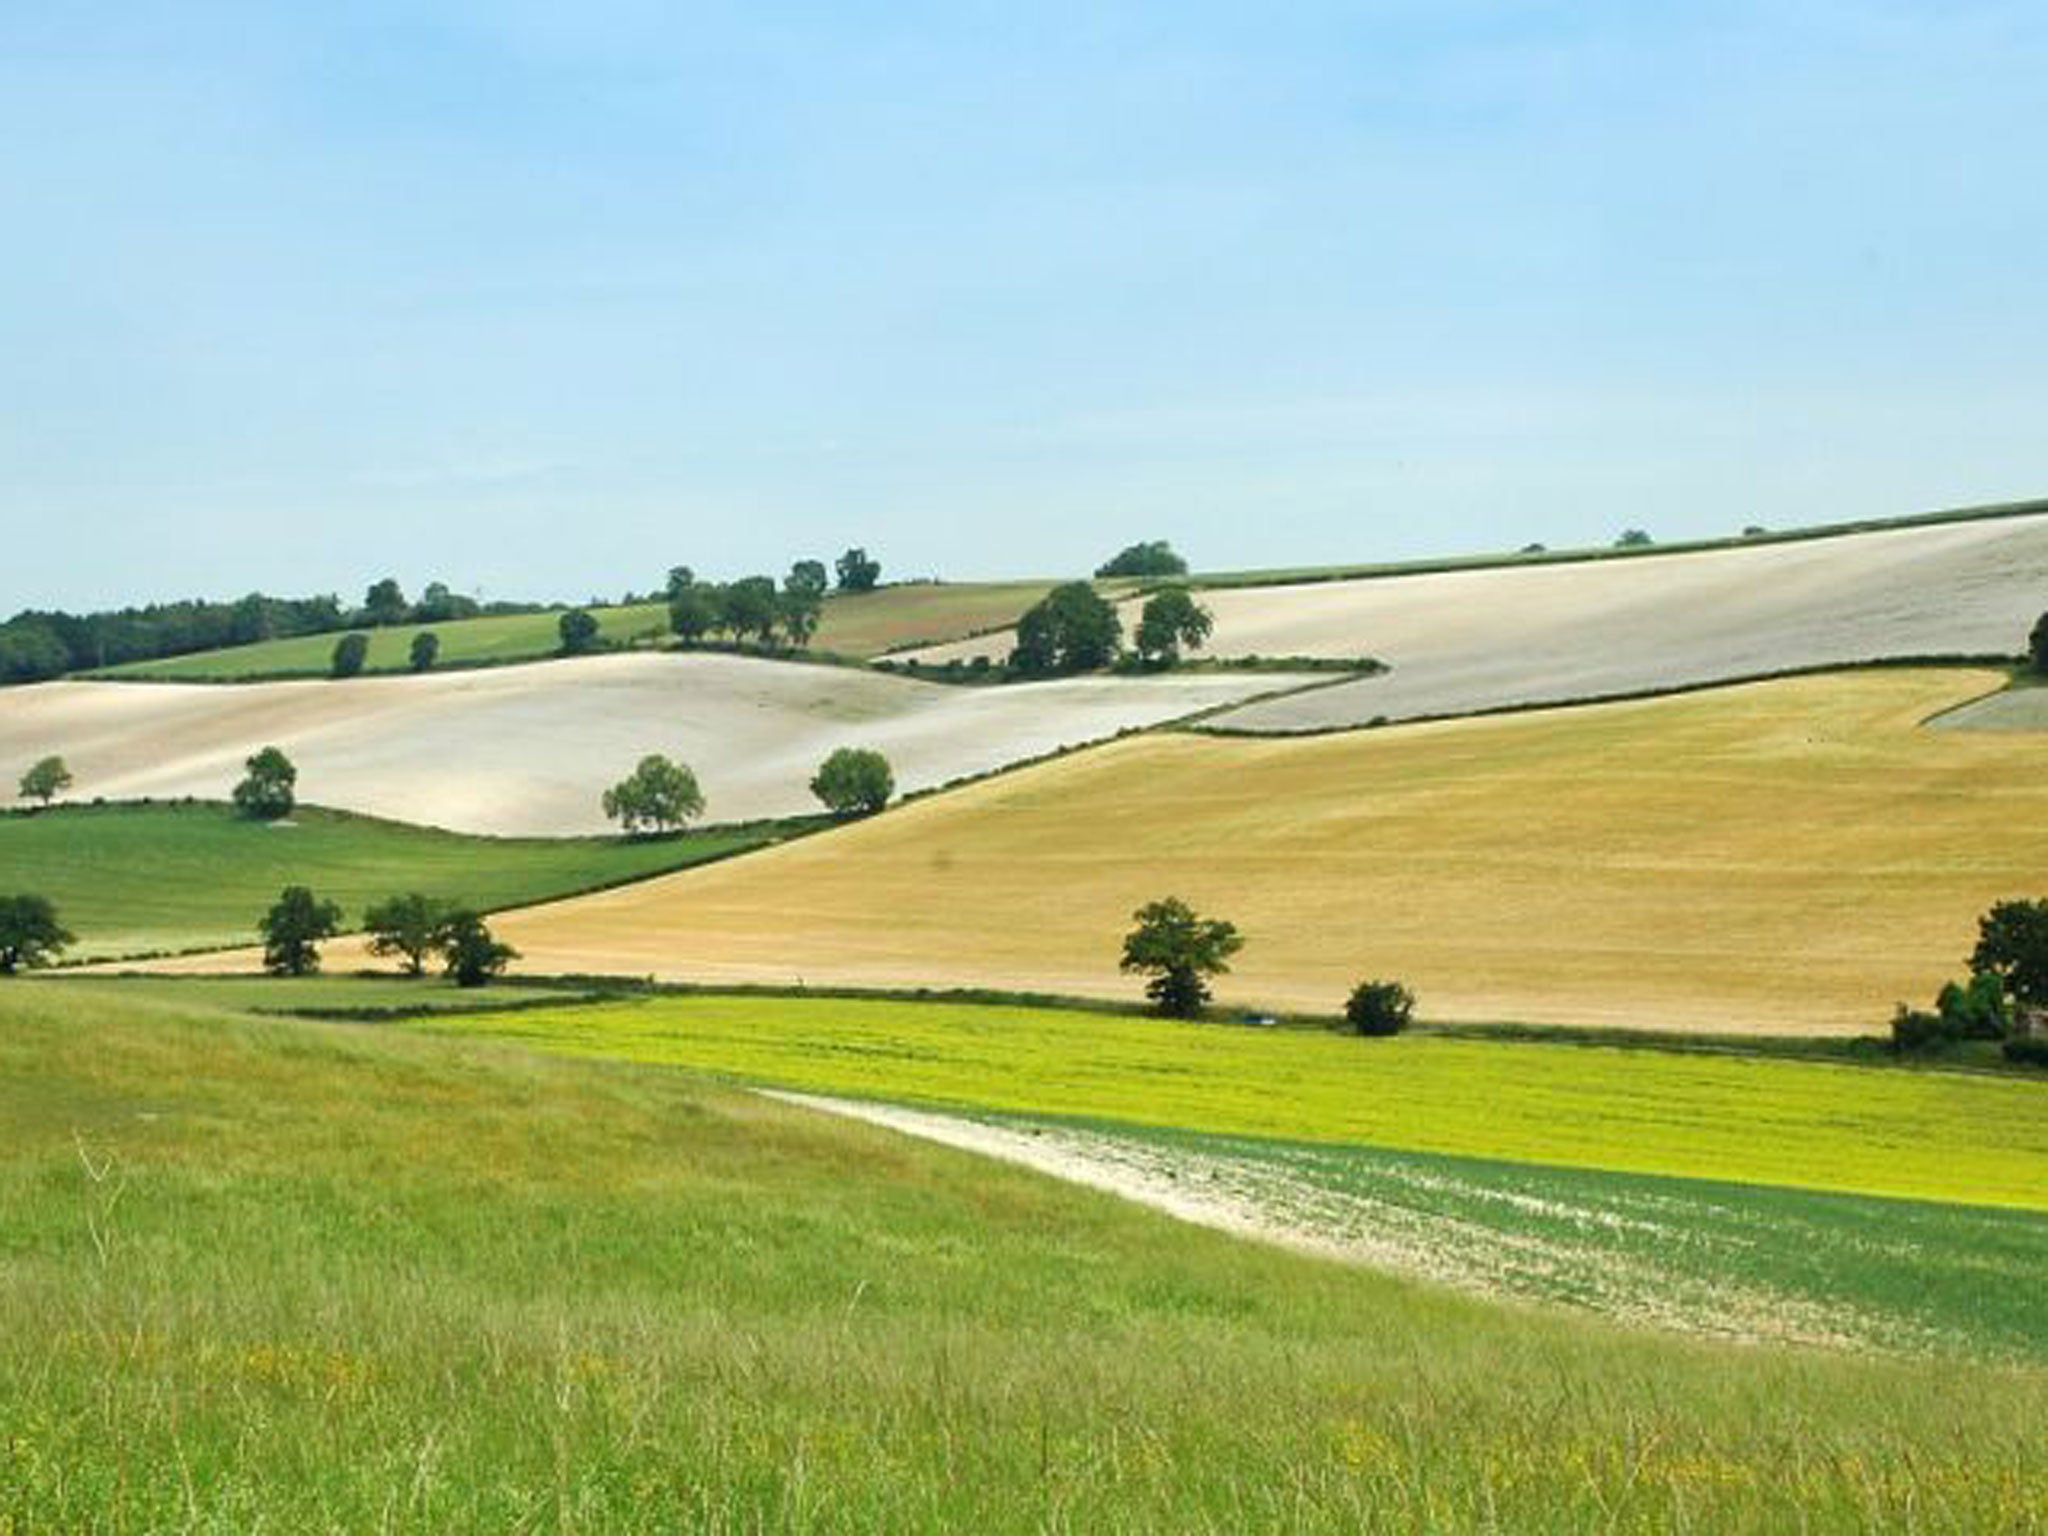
(578, 631)
(266, 791)
(1071, 629)
(1154, 557)
(1379, 1008)
(2012, 944)
(694, 611)
(292, 930)
(30, 934)
(385, 603)
(1172, 619)
(407, 926)
(426, 650)
(473, 955)
(2037, 645)
(1633, 538)
(857, 573)
(752, 607)
(350, 652)
(1180, 950)
(808, 576)
(47, 780)
(660, 795)
(854, 781)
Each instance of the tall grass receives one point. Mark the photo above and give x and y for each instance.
(279, 1276)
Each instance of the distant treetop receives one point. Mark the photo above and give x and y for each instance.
(1155, 558)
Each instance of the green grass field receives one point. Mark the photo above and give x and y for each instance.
(1866, 1130)
(272, 1275)
(464, 642)
(1712, 1257)
(146, 879)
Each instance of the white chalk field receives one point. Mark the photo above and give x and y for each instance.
(1464, 641)
(528, 750)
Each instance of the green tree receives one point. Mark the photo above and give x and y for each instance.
(660, 795)
(1172, 619)
(408, 926)
(48, 779)
(752, 607)
(808, 576)
(854, 781)
(800, 609)
(426, 650)
(1633, 538)
(1152, 558)
(578, 630)
(292, 930)
(1379, 1008)
(30, 934)
(2037, 645)
(2012, 944)
(268, 788)
(385, 603)
(693, 612)
(1181, 951)
(857, 573)
(680, 579)
(1071, 629)
(473, 954)
(350, 651)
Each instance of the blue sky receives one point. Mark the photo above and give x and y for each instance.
(540, 299)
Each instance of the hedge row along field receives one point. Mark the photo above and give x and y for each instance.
(317, 1277)
(1808, 1125)
(1792, 858)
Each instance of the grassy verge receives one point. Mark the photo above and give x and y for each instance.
(270, 1275)
(1791, 1123)
(154, 879)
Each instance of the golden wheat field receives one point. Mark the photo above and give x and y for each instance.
(1784, 857)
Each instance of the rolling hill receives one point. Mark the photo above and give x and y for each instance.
(527, 751)
(1791, 857)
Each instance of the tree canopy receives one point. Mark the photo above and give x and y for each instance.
(30, 934)
(752, 607)
(1180, 951)
(407, 926)
(2012, 944)
(46, 780)
(1379, 1008)
(578, 629)
(293, 929)
(350, 652)
(857, 573)
(385, 603)
(1171, 620)
(1154, 557)
(659, 795)
(1071, 629)
(854, 781)
(268, 788)
(473, 954)
(426, 650)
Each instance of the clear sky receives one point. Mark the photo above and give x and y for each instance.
(540, 298)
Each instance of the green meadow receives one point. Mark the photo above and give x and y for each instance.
(150, 879)
(283, 1275)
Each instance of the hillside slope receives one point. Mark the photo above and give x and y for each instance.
(1789, 857)
(1464, 641)
(529, 750)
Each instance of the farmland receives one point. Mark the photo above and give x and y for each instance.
(144, 879)
(338, 1277)
(1792, 857)
(1462, 641)
(1737, 1260)
(491, 640)
(1799, 1124)
(528, 751)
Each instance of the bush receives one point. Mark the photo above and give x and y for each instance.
(426, 650)
(1915, 1029)
(350, 652)
(2027, 1051)
(854, 781)
(578, 631)
(1379, 1008)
